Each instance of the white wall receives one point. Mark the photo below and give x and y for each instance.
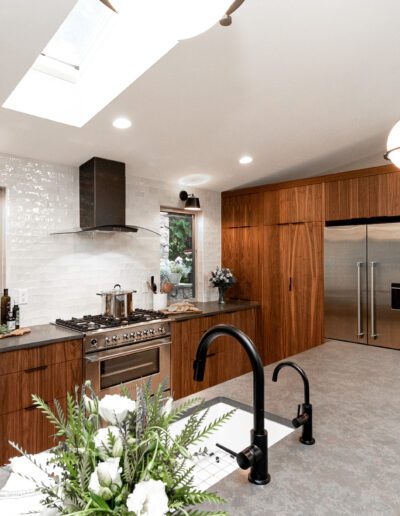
(63, 272)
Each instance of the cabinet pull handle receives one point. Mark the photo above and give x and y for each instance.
(290, 283)
(39, 368)
(211, 355)
(31, 407)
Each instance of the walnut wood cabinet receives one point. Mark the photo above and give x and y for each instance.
(296, 204)
(384, 195)
(292, 289)
(347, 199)
(226, 359)
(50, 372)
(240, 252)
(242, 211)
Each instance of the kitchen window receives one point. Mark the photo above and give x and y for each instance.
(177, 253)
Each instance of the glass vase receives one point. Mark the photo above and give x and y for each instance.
(221, 295)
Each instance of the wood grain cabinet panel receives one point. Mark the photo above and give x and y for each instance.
(301, 204)
(347, 199)
(384, 195)
(292, 286)
(306, 289)
(240, 252)
(48, 371)
(59, 352)
(28, 428)
(297, 204)
(226, 358)
(241, 211)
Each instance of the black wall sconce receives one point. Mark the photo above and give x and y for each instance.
(192, 203)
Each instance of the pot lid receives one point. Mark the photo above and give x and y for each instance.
(116, 291)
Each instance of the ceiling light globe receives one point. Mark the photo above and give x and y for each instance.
(122, 123)
(393, 145)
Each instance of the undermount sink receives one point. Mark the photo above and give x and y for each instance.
(212, 464)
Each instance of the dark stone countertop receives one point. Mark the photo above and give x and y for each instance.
(214, 308)
(39, 336)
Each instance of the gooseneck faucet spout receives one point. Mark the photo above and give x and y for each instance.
(304, 412)
(255, 456)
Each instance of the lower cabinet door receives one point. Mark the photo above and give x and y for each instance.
(28, 428)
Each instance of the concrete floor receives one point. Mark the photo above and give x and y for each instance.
(354, 467)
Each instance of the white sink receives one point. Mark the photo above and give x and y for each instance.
(215, 464)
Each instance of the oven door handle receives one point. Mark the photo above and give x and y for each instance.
(124, 351)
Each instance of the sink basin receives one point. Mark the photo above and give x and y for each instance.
(213, 464)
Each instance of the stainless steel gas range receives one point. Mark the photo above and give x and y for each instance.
(125, 351)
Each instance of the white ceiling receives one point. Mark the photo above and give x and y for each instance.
(303, 86)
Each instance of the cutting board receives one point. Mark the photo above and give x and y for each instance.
(15, 333)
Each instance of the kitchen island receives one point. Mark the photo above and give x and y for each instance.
(354, 466)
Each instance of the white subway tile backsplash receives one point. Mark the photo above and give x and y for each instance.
(63, 272)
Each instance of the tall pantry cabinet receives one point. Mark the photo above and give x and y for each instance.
(278, 262)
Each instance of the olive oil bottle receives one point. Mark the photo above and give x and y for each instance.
(5, 301)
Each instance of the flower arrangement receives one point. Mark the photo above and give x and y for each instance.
(118, 456)
(222, 277)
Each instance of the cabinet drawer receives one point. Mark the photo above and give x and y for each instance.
(48, 382)
(29, 428)
(23, 359)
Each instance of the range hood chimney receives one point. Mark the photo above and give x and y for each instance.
(102, 198)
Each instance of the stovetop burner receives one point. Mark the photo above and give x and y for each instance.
(101, 322)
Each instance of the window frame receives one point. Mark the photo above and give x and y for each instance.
(180, 211)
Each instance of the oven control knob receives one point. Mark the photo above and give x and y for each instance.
(126, 336)
(115, 338)
(151, 331)
(132, 335)
(161, 329)
(108, 340)
(145, 332)
(139, 334)
(93, 343)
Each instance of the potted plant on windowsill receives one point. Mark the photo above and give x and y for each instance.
(222, 278)
(177, 270)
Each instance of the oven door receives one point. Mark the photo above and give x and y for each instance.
(131, 366)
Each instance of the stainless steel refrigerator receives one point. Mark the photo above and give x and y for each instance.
(362, 284)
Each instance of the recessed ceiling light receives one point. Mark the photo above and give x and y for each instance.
(122, 123)
(194, 180)
(245, 160)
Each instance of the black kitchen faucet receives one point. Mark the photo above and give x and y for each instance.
(254, 456)
(304, 411)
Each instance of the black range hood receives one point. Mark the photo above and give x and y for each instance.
(102, 198)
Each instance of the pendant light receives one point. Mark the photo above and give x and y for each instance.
(192, 203)
(393, 146)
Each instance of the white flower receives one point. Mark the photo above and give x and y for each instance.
(106, 478)
(166, 410)
(148, 499)
(91, 406)
(114, 408)
(102, 441)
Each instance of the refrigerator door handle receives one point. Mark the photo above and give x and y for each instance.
(360, 332)
(374, 335)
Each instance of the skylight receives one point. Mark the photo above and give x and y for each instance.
(97, 53)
